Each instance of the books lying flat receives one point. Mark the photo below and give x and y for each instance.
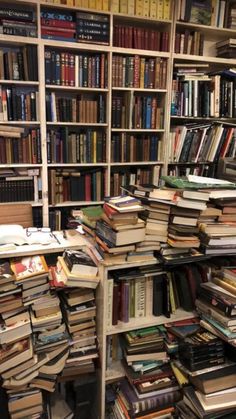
(79, 262)
(28, 267)
(76, 279)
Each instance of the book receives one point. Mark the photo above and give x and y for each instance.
(29, 267)
(79, 261)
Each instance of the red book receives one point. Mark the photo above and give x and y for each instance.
(88, 187)
(58, 23)
(53, 33)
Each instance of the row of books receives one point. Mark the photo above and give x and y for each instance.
(201, 142)
(133, 111)
(20, 185)
(72, 147)
(19, 145)
(80, 26)
(216, 98)
(71, 185)
(140, 38)
(134, 176)
(151, 8)
(186, 169)
(139, 72)
(189, 42)
(17, 104)
(82, 108)
(154, 9)
(18, 20)
(131, 148)
(65, 69)
(212, 13)
(19, 63)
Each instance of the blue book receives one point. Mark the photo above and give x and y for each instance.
(148, 113)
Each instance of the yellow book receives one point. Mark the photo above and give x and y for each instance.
(180, 376)
(131, 7)
(94, 142)
(142, 71)
(159, 11)
(105, 5)
(92, 4)
(172, 297)
(98, 4)
(153, 9)
(139, 7)
(166, 9)
(115, 6)
(123, 7)
(78, 3)
(70, 2)
(146, 8)
(85, 4)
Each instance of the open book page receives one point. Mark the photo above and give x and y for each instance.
(204, 180)
(16, 234)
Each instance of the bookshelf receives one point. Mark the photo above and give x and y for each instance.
(130, 165)
(133, 88)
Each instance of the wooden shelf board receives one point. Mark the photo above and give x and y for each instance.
(16, 40)
(135, 323)
(75, 203)
(204, 58)
(138, 89)
(31, 165)
(143, 52)
(207, 28)
(77, 164)
(20, 82)
(75, 88)
(77, 124)
(205, 118)
(137, 163)
(190, 162)
(75, 45)
(32, 203)
(19, 122)
(136, 130)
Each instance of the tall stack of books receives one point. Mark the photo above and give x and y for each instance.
(216, 304)
(202, 360)
(50, 340)
(150, 385)
(120, 229)
(219, 236)
(79, 309)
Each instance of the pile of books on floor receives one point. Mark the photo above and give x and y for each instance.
(149, 383)
(211, 390)
(79, 310)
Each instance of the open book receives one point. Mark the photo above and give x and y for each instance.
(16, 234)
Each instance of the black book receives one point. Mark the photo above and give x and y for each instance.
(158, 287)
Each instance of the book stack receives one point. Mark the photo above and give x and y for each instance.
(79, 309)
(75, 269)
(226, 48)
(150, 383)
(218, 236)
(216, 304)
(120, 229)
(92, 28)
(182, 229)
(58, 24)
(50, 341)
(18, 20)
(27, 403)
